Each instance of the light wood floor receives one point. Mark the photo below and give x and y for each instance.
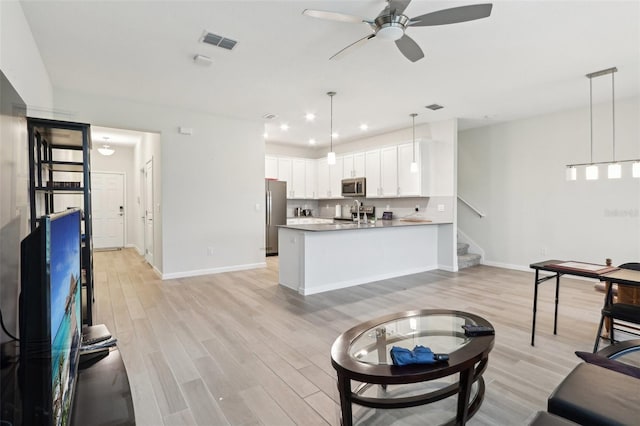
(237, 348)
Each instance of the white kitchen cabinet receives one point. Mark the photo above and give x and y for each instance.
(311, 180)
(354, 165)
(298, 179)
(372, 172)
(408, 181)
(271, 167)
(324, 182)
(389, 171)
(284, 173)
(335, 177)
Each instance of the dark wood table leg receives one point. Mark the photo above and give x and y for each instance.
(555, 316)
(344, 387)
(466, 381)
(535, 306)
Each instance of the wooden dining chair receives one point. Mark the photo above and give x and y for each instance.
(625, 307)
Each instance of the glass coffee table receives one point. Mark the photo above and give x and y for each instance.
(361, 355)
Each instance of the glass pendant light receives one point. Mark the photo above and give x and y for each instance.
(331, 156)
(572, 173)
(635, 169)
(414, 166)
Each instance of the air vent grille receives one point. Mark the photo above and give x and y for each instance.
(434, 107)
(219, 41)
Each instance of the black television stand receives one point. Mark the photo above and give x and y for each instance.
(103, 394)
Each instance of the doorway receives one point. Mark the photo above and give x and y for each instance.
(108, 197)
(148, 211)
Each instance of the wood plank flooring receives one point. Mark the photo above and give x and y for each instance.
(238, 349)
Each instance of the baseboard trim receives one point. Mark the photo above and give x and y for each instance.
(528, 269)
(199, 272)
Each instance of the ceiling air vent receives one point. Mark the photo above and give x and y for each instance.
(219, 41)
(434, 107)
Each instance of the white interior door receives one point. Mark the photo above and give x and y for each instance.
(107, 192)
(148, 212)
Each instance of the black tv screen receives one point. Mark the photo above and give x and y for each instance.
(50, 318)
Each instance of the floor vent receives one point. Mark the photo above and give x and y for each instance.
(219, 41)
(434, 107)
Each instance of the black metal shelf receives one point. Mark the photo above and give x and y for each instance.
(45, 136)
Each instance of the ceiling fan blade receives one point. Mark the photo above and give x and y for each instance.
(360, 42)
(409, 48)
(396, 7)
(452, 16)
(333, 16)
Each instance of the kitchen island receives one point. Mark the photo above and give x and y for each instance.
(314, 258)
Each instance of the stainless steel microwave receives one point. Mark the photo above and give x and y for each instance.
(354, 187)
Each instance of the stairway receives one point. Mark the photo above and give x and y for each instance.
(466, 259)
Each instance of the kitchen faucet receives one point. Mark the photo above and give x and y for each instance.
(357, 211)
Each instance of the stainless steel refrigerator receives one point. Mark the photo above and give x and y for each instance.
(276, 207)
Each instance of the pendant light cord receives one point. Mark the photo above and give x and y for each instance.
(591, 113)
(613, 110)
(331, 134)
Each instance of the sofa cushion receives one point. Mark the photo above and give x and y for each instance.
(610, 364)
(592, 395)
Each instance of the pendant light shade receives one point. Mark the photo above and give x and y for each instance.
(635, 171)
(331, 156)
(106, 150)
(591, 172)
(572, 173)
(614, 171)
(414, 166)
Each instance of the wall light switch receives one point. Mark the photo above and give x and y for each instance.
(185, 131)
(440, 207)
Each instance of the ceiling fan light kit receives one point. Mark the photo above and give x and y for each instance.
(392, 23)
(614, 168)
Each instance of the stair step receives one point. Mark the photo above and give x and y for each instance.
(467, 260)
(463, 249)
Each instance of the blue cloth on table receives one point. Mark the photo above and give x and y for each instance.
(404, 356)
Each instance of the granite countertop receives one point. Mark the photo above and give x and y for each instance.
(346, 225)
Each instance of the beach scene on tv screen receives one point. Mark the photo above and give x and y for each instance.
(65, 312)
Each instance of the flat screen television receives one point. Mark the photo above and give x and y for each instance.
(50, 318)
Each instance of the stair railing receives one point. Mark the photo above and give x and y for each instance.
(474, 209)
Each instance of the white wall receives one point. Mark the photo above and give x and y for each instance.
(25, 81)
(515, 173)
(212, 182)
(21, 62)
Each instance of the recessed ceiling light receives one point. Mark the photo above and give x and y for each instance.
(265, 135)
(312, 141)
(335, 135)
(363, 126)
(284, 127)
(310, 116)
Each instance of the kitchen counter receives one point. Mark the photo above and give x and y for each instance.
(348, 225)
(314, 260)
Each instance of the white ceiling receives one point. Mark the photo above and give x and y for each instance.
(527, 58)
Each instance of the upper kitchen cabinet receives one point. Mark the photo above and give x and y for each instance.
(311, 178)
(389, 171)
(271, 167)
(353, 165)
(372, 172)
(298, 179)
(408, 181)
(330, 178)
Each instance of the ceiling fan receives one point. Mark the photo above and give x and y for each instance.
(391, 24)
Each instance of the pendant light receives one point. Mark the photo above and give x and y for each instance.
(414, 165)
(614, 168)
(331, 156)
(106, 150)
